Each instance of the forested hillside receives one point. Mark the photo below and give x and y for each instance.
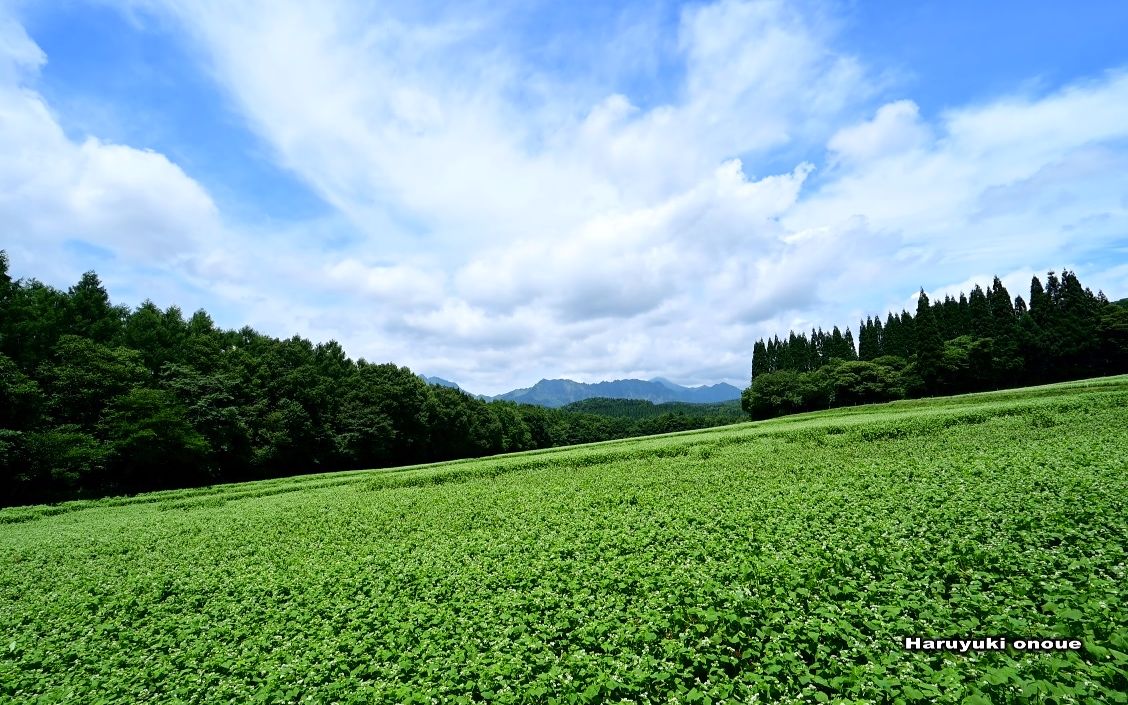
(97, 399)
(974, 343)
(639, 409)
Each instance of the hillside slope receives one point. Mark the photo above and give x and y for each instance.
(780, 561)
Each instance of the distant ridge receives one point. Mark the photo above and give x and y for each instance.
(559, 392)
(440, 382)
(555, 393)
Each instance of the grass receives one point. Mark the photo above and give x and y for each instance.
(780, 561)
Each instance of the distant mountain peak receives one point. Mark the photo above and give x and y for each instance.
(559, 392)
(439, 381)
(667, 383)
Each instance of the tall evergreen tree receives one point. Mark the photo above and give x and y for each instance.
(894, 336)
(821, 346)
(1001, 308)
(90, 314)
(1077, 326)
(929, 346)
(1006, 359)
(836, 345)
(979, 312)
(7, 286)
(963, 321)
(7, 289)
(1039, 302)
(866, 345)
(759, 359)
(848, 347)
(947, 317)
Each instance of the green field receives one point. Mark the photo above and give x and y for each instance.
(780, 561)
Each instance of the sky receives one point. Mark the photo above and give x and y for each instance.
(499, 192)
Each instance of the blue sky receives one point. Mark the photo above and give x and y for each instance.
(499, 192)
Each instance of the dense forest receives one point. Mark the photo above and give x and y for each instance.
(98, 399)
(982, 341)
(710, 414)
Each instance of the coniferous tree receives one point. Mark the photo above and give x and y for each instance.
(1053, 290)
(759, 359)
(929, 346)
(963, 320)
(851, 352)
(90, 314)
(946, 316)
(866, 346)
(894, 336)
(979, 313)
(1006, 360)
(7, 287)
(1039, 303)
(1002, 310)
(836, 345)
(987, 341)
(1077, 326)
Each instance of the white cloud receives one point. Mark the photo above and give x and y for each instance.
(18, 50)
(398, 284)
(512, 222)
(977, 196)
(895, 128)
(53, 189)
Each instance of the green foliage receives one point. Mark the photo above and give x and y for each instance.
(929, 344)
(96, 399)
(623, 418)
(987, 341)
(89, 313)
(21, 400)
(147, 429)
(35, 316)
(774, 562)
(638, 409)
(786, 392)
(83, 376)
(68, 462)
(859, 382)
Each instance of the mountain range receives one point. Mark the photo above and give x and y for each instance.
(559, 392)
(440, 381)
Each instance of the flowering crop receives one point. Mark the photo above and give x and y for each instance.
(783, 561)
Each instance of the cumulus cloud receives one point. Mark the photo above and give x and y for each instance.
(134, 202)
(509, 220)
(895, 128)
(1001, 183)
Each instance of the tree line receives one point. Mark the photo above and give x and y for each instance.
(663, 417)
(98, 399)
(977, 342)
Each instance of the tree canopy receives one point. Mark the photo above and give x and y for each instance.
(98, 399)
(985, 340)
